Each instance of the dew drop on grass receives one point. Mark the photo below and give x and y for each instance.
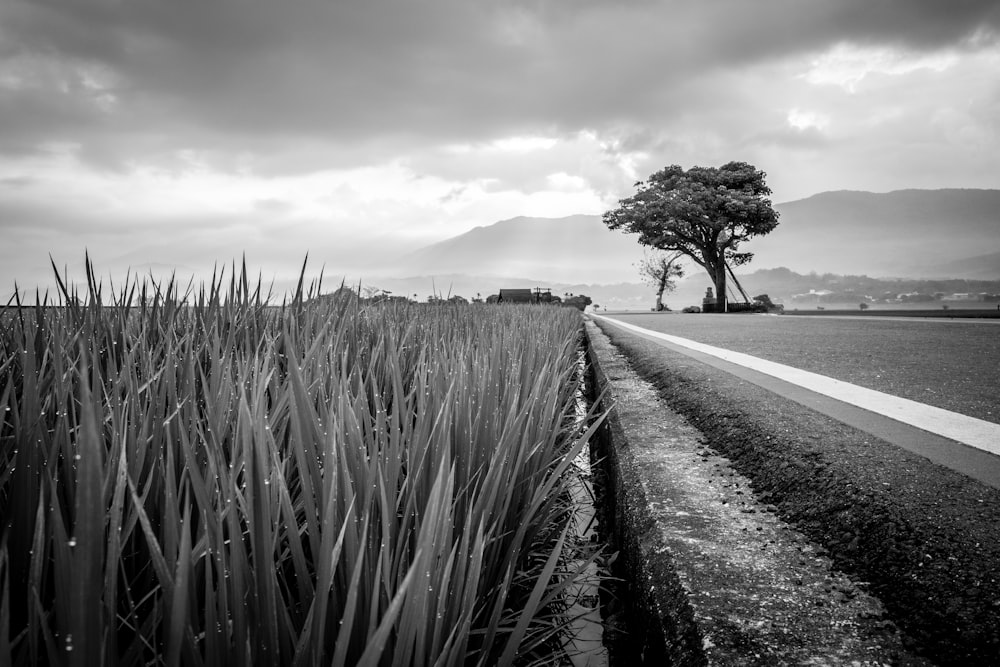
(69, 642)
(72, 543)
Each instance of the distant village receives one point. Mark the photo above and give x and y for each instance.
(813, 288)
(832, 296)
(537, 295)
(783, 285)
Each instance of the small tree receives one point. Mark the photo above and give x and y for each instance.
(660, 269)
(763, 304)
(704, 213)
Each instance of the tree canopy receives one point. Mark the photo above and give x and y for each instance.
(580, 301)
(703, 212)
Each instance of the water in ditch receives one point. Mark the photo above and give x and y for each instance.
(585, 646)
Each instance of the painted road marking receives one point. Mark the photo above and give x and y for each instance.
(978, 433)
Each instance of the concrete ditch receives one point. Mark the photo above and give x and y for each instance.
(711, 575)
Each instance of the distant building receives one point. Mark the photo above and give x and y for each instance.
(538, 295)
(515, 296)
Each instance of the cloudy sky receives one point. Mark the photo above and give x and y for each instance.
(171, 134)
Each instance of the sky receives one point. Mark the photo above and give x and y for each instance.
(171, 135)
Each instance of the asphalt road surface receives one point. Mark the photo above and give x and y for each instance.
(950, 364)
(965, 444)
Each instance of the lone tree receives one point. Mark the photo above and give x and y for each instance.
(659, 269)
(704, 213)
(580, 301)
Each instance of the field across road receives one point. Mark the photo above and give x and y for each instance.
(954, 365)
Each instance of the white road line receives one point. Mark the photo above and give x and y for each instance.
(974, 432)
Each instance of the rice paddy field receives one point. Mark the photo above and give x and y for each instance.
(198, 478)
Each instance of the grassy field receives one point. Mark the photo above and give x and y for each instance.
(201, 479)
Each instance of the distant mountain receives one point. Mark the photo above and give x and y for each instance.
(980, 267)
(906, 233)
(574, 249)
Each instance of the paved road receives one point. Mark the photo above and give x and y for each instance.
(950, 364)
(963, 443)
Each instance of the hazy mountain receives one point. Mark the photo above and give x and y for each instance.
(980, 267)
(907, 233)
(574, 249)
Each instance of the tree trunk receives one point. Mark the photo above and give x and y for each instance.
(720, 287)
(659, 293)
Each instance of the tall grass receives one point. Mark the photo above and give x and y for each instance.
(193, 477)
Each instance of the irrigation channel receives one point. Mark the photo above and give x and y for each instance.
(586, 646)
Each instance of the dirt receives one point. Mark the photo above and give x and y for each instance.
(924, 538)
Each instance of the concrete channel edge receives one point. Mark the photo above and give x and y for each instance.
(661, 627)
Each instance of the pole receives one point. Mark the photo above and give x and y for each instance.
(732, 275)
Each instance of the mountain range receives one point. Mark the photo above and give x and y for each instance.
(905, 233)
(577, 248)
(950, 233)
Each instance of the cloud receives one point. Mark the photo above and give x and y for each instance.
(15, 182)
(526, 164)
(383, 77)
(804, 120)
(174, 131)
